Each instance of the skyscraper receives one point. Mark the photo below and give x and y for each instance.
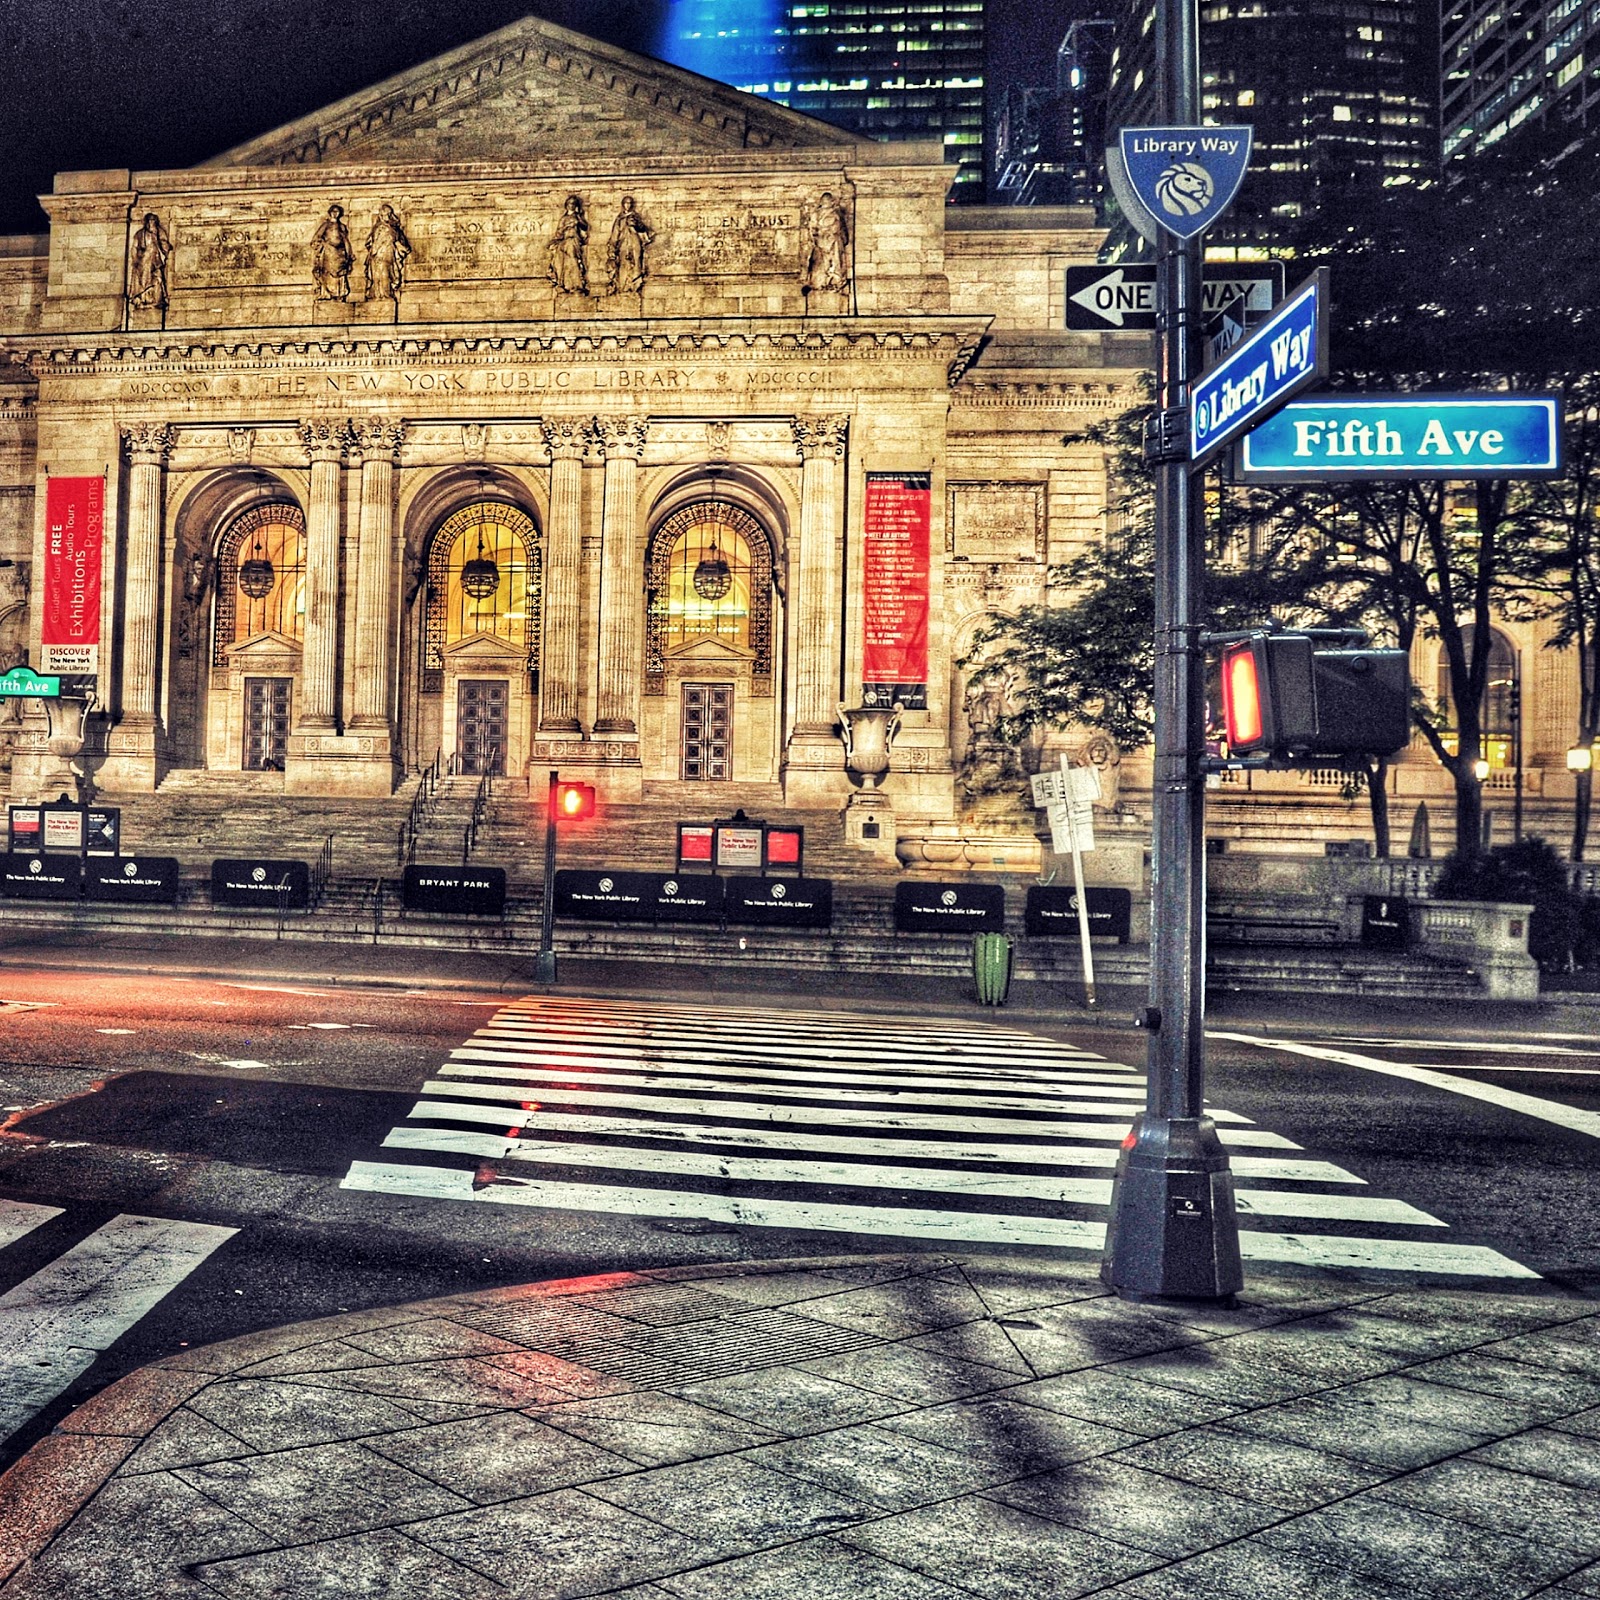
(1504, 67)
(909, 69)
(1050, 140)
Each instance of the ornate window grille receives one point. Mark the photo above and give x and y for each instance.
(278, 532)
(512, 610)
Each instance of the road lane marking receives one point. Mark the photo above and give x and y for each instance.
(444, 1183)
(20, 1217)
(1528, 1105)
(55, 1324)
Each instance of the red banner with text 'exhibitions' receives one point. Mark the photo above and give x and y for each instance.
(894, 582)
(74, 509)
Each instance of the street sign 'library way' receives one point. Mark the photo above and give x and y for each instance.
(1415, 436)
(1286, 354)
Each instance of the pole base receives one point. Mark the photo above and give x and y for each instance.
(544, 967)
(1173, 1233)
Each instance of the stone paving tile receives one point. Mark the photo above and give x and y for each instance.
(1288, 1476)
(1546, 1453)
(571, 1380)
(987, 1343)
(1214, 1372)
(1110, 1393)
(477, 1380)
(790, 1400)
(133, 1544)
(1090, 1333)
(1507, 1502)
(1559, 1349)
(1419, 1340)
(319, 1492)
(904, 1307)
(733, 1503)
(999, 1551)
(184, 1439)
(1250, 1570)
(330, 1356)
(1469, 1307)
(884, 1469)
(1383, 1438)
(434, 1339)
(1551, 1394)
(915, 1375)
(1023, 1287)
(275, 1414)
(1144, 1509)
(1440, 1405)
(1006, 1431)
(817, 1569)
(1420, 1552)
(653, 1429)
(1322, 1355)
(1585, 1582)
(380, 1565)
(506, 1456)
(562, 1544)
(1586, 1423)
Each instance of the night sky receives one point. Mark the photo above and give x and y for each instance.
(115, 83)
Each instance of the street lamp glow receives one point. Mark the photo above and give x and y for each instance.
(1580, 758)
(1480, 769)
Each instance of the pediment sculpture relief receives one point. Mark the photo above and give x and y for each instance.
(388, 250)
(626, 252)
(827, 264)
(568, 266)
(331, 259)
(147, 265)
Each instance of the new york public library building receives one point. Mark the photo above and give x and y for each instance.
(547, 407)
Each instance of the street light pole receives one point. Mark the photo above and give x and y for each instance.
(545, 962)
(1173, 1231)
(1516, 748)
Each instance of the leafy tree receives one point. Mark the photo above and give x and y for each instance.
(1528, 872)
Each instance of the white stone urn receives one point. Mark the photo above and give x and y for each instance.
(868, 733)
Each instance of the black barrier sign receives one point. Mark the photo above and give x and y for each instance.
(686, 898)
(780, 902)
(1052, 913)
(258, 884)
(607, 896)
(143, 878)
(31, 877)
(457, 891)
(949, 908)
(1383, 922)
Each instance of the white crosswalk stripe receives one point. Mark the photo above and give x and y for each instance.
(55, 1323)
(846, 1124)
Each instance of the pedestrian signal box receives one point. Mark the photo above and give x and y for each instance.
(574, 801)
(1285, 699)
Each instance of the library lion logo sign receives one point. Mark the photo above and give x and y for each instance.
(1185, 189)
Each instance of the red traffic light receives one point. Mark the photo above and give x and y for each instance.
(574, 801)
(1241, 699)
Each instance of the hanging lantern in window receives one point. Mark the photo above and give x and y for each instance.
(713, 577)
(256, 576)
(480, 577)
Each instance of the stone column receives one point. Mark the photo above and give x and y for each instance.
(324, 443)
(377, 442)
(568, 439)
(621, 591)
(148, 445)
(814, 581)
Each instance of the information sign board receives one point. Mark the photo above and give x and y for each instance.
(144, 879)
(1265, 370)
(41, 877)
(780, 902)
(455, 891)
(949, 908)
(1052, 913)
(739, 844)
(695, 845)
(260, 884)
(1339, 438)
(24, 828)
(896, 519)
(102, 830)
(785, 848)
(61, 827)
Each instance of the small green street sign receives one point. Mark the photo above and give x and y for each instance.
(25, 681)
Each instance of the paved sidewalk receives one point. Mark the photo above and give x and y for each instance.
(895, 1428)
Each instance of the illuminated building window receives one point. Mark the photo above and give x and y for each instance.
(1342, 114)
(261, 577)
(485, 540)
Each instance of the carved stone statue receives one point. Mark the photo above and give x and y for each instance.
(196, 577)
(827, 260)
(388, 249)
(331, 259)
(868, 733)
(629, 236)
(147, 265)
(568, 269)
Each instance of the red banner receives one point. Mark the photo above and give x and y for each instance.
(894, 584)
(74, 509)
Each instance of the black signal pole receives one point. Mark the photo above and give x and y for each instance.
(1173, 1231)
(545, 965)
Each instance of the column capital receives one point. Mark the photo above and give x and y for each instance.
(375, 438)
(568, 438)
(324, 438)
(148, 444)
(622, 436)
(820, 436)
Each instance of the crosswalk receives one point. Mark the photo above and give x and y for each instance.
(56, 1322)
(826, 1121)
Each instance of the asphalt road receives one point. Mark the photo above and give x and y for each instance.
(241, 1106)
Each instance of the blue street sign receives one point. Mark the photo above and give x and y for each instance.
(1286, 354)
(1180, 179)
(1412, 436)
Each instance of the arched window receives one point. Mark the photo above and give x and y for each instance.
(484, 576)
(261, 577)
(1502, 689)
(709, 577)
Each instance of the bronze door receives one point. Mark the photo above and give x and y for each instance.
(481, 725)
(708, 731)
(266, 723)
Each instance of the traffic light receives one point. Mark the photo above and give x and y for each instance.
(1283, 697)
(574, 801)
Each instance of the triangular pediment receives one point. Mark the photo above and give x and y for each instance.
(261, 644)
(483, 648)
(530, 92)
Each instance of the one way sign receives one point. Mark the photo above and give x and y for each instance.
(1099, 298)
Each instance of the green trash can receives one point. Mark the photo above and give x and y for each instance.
(991, 967)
